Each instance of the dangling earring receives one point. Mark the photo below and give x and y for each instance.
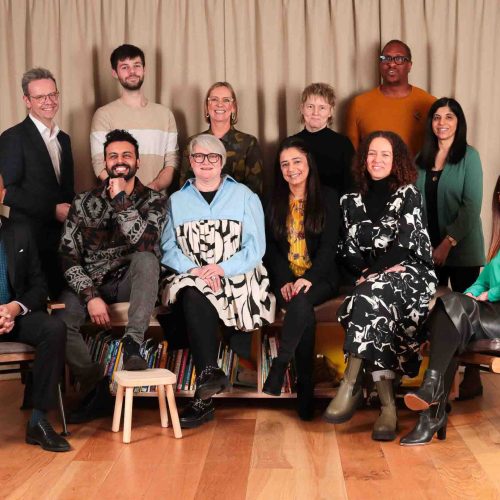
(233, 117)
(207, 116)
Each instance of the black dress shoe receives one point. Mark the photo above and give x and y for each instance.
(44, 435)
(97, 404)
(132, 359)
(276, 377)
(196, 413)
(211, 381)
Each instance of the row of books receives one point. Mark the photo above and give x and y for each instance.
(269, 350)
(106, 349)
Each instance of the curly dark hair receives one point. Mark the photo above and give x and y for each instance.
(118, 135)
(403, 169)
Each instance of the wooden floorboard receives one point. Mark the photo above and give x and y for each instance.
(255, 450)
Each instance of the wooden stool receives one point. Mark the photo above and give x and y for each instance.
(128, 380)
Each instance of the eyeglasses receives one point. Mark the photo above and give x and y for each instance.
(54, 96)
(397, 59)
(217, 100)
(211, 157)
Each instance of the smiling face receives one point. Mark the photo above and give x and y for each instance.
(121, 160)
(38, 102)
(379, 158)
(392, 73)
(294, 167)
(316, 112)
(130, 73)
(444, 123)
(206, 171)
(220, 105)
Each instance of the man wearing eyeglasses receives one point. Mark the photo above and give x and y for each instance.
(37, 166)
(394, 105)
(152, 124)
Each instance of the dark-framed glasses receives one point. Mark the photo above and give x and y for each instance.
(397, 59)
(217, 100)
(211, 157)
(53, 96)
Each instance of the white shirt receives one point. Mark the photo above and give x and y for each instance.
(53, 147)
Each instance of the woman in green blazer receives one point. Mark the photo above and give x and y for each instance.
(451, 182)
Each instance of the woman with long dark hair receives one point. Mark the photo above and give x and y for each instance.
(302, 233)
(387, 247)
(456, 320)
(450, 178)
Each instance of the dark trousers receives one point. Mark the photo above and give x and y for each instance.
(47, 335)
(459, 277)
(202, 325)
(299, 327)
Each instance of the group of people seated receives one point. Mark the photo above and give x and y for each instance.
(389, 226)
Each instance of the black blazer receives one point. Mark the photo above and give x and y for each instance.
(322, 249)
(28, 174)
(25, 277)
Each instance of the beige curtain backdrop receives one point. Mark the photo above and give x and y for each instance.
(268, 49)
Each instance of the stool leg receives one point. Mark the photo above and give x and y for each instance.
(117, 415)
(163, 405)
(127, 420)
(173, 412)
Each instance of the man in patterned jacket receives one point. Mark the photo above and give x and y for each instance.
(110, 253)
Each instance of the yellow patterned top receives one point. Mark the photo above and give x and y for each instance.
(297, 254)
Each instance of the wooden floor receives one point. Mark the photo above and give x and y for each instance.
(255, 449)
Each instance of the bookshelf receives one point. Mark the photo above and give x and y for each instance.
(105, 347)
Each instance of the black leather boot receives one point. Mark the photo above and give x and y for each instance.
(196, 413)
(305, 400)
(276, 377)
(428, 394)
(209, 382)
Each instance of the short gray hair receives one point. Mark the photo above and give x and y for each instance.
(210, 142)
(36, 74)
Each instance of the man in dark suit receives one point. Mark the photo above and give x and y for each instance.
(37, 166)
(23, 296)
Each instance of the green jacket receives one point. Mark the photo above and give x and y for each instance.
(460, 194)
(488, 280)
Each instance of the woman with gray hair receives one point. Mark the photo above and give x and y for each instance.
(213, 244)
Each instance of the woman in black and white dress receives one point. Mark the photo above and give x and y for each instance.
(213, 244)
(387, 246)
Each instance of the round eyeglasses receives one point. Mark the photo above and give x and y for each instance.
(211, 157)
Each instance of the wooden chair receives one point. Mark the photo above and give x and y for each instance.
(127, 381)
(12, 353)
(485, 353)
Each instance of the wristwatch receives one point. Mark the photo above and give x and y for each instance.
(452, 240)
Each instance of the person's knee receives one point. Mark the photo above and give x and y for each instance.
(54, 331)
(145, 262)
(300, 305)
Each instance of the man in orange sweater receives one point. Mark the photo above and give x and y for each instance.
(395, 105)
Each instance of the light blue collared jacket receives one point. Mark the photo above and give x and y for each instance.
(233, 201)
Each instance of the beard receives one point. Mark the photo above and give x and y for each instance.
(132, 86)
(132, 170)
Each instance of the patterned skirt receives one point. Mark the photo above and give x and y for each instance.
(382, 316)
(244, 301)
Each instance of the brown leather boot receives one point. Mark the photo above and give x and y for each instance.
(349, 395)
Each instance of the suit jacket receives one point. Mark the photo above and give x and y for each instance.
(322, 250)
(25, 277)
(32, 187)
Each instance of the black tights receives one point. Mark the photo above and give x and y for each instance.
(202, 322)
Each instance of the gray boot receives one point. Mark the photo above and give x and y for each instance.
(386, 425)
(349, 395)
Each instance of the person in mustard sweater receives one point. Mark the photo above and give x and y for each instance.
(456, 320)
(395, 105)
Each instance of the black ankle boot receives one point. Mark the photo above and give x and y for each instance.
(209, 382)
(426, 427)
(276, 377)
(429, 393)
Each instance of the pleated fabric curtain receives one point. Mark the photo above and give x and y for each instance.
(268, 49)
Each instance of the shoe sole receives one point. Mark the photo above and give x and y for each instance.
(196, 423)
(30, 440)
(135, 365)
(209, 390)
(413, 402)
(384, 436)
